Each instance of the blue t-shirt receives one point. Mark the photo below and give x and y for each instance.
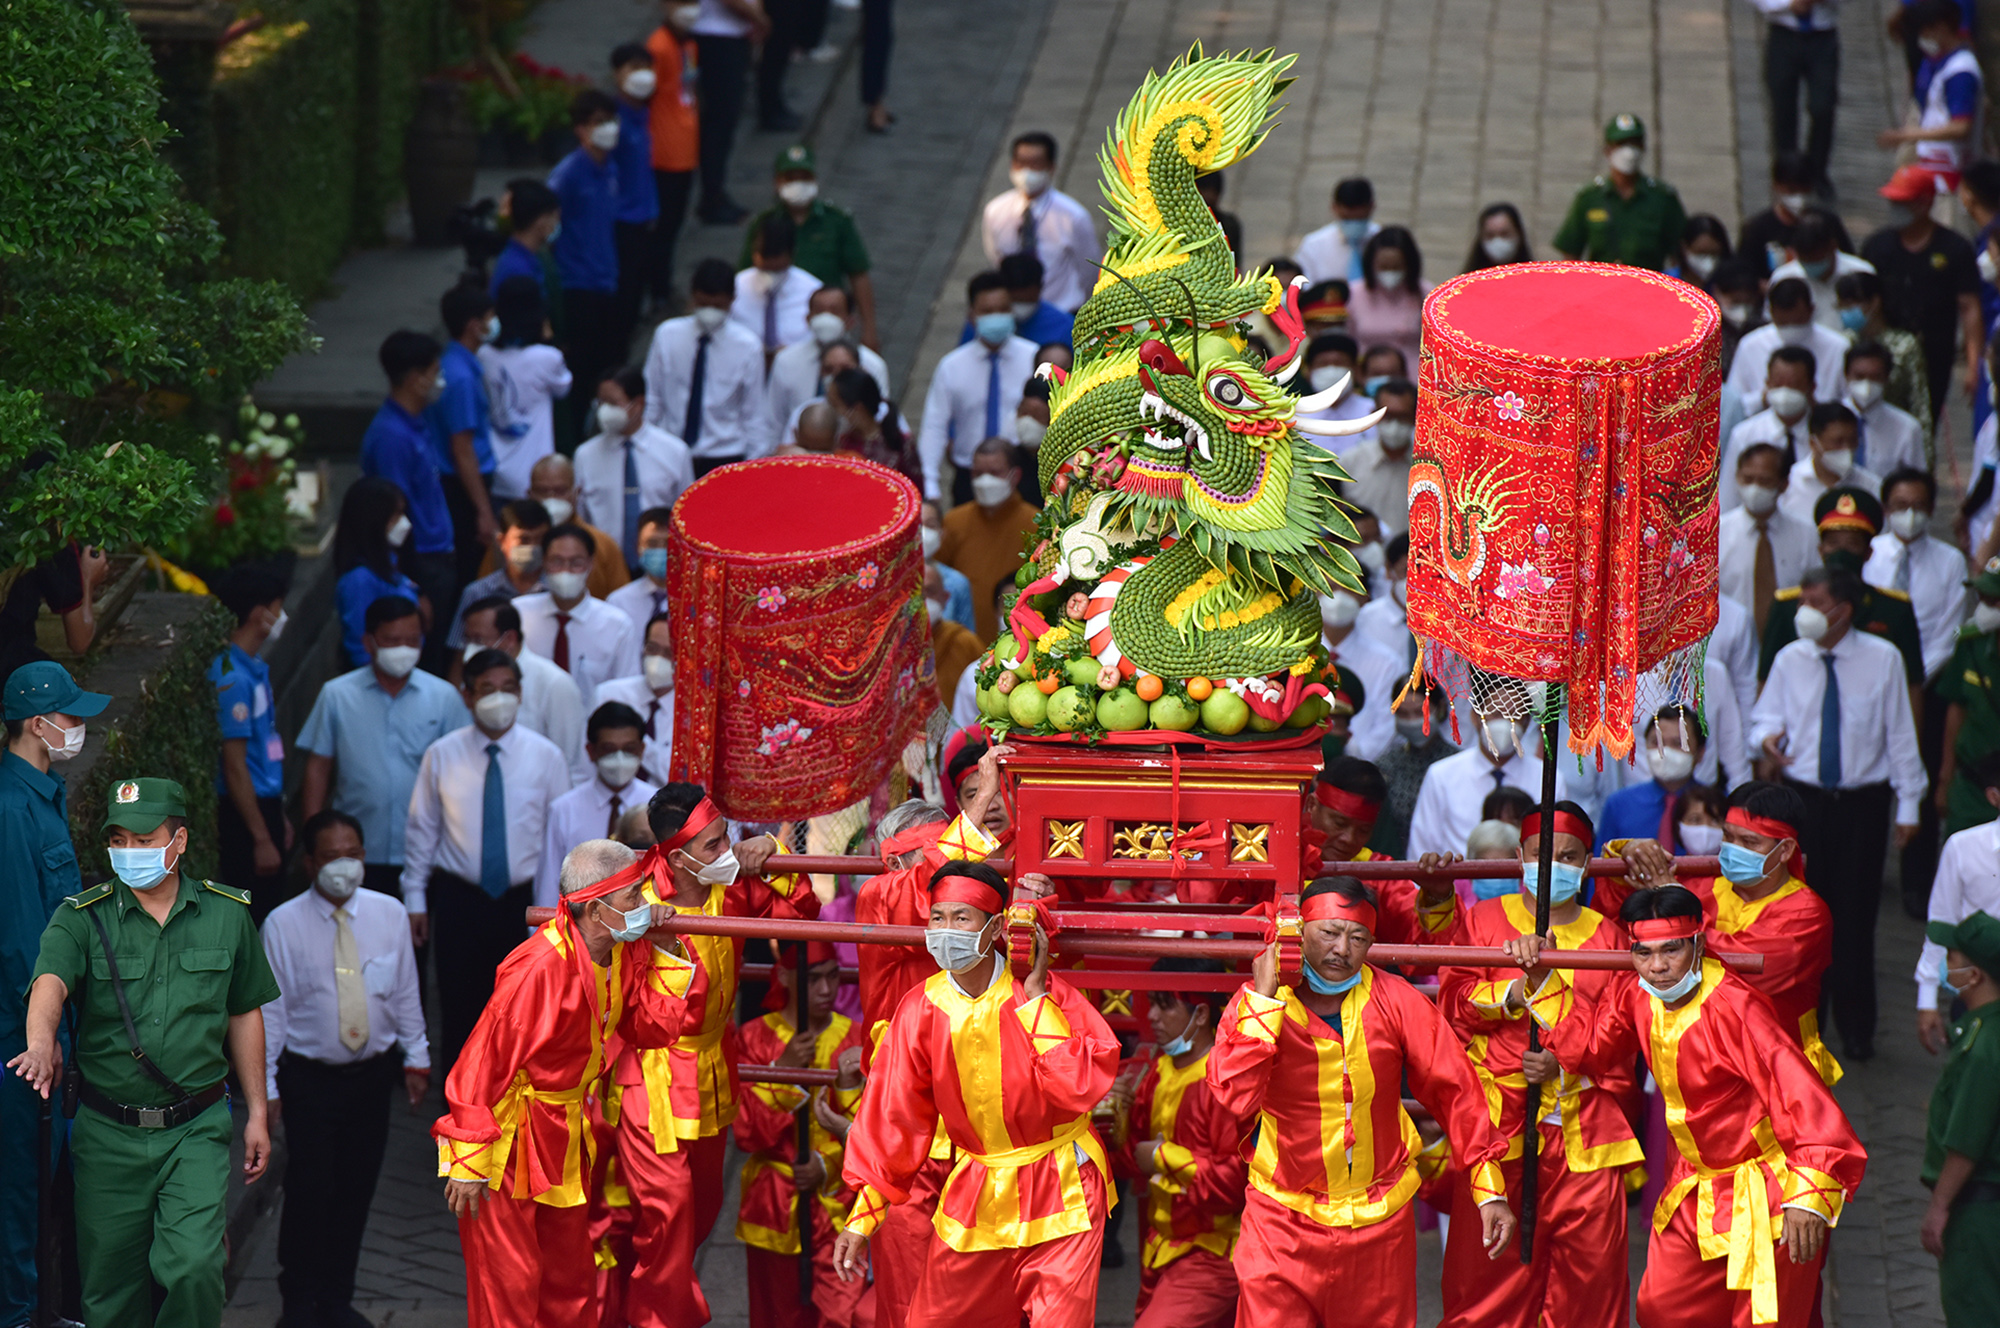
(516, 260)
(1961, 91)
(357, 588)
(398, 448)
(244, 706)
(463, 406)
(586, 253)
(638, 200)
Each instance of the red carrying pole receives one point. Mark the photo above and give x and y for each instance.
(1380, 869)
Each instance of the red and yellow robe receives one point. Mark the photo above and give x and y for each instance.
(767, 1129)
(902, 898)
(1013, 1082)
(1755, 1130)
(1195, 1202)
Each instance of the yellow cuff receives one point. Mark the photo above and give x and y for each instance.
(1043, 1021)
(1258, 1016)
(671, 973)
(1490, 999)
(458, 1160)
(966, 841)
(868, 1211)
(1487, 1184)
(787, 1098)
(1176, 1163)
(1814, 1191)
(1556, 997)
(1438, 917)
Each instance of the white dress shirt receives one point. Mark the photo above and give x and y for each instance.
(1455, 788)
(1720, 717)
(1794, 548)
(1826, 305)
(656, 710)
(639, 599)
(779, 298)
(1380, 481)
(588, 811)
(661, 460)
(1065, 241)
(1780, 14)
(735, 422)
(1763, 426)
(965, 700)
(1878, 738)
(1381, 670)
(794, 380)
(1734, 642)
(955, 405)
(305, 1016)
(1968, 882)
(1324, 255)
(1753, 358)
(1985, 456)
(1803, 487)
(1389, 623)
(717, 19)
(1890, 437)
(448, 807)
(1936, 588)
(603, 641)
(552, 706)
(522, 383)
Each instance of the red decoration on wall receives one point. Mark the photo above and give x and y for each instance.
(1562, 496)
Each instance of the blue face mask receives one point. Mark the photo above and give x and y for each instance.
(1689, 981)
(1326, 988)
(1818, 269)
(637, 922)
(1740, 865)
(1370, 386)
(1564, 882)
(1493, 887)
(994, 329)
(140, 868)
(1181, 1045)
(1853, 319)
(1354, 230)
(653, 562)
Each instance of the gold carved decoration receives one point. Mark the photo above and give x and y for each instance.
(1116, 1002)
(1065, 839)
(1153, 841)
(1249, 843)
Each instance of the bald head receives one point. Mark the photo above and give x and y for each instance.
(819, 427)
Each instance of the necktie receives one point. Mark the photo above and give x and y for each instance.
(1860, 439)
(1791, 449)
(1499, 777)
(560, 654)
(698, 380)
(352, 996)
(1665, 834)
(1829, 727)
(652, 717)
(1764, 581)
(1027, 232)
(1903, 568)
(992, 395)
(495, 872)
(659, 602)
(771, 319)
(629, 545)
(611, 824)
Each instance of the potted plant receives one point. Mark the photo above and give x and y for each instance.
(249, 521)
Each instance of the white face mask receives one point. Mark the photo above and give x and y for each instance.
(397, 661)
(566, 585)
(1702, 264)
(1395, 435)
(1670, 763)
(1029, 431)
(1757, 499)
(399, 530)
(1794, 203)
(1795, 334)
(72, 742)
(798, 193)
(1325, 376)
(1031, 183)
(612, 419)
(1809, 623)
(617, 768)
(604, 137)
(495, 711)
(935, 608)
(720, 872)
(1338, 609)
(827, 328)
(1625, 158)
(1371, 556)
(639, 84)
(1989, 271)
(1500, 248)
(930, 540)
(560, 510)
(339, 879)
(1909, 524)
(659, 671)
(524, 558)
(990, 490)
(1986, 617)
(1391, 279)
(1738, 314)
(1789, 402)
(709, 318)
(1864, 393)
(1497, 736)
(1701, 840)
(1837, 462)
(1024, 310)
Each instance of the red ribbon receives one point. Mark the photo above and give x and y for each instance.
(1666, 929)
(1351, 805)
(1566, 823)
(1332, 905)
(967, 890)
(1771, 829)
(916, 837)
(697, 821)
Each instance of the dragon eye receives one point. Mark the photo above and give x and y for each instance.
(1226, 390)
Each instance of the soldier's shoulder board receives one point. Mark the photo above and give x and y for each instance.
(88, 897)
(1892, 593)
(1789, 592)
(228, 892)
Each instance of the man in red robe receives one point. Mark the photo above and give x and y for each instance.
(1578, 1278)
(516, 1148)
(1759, 905)
(1329, 1237)
(1012, 1070)
(1347, 799)
(1765, 1158)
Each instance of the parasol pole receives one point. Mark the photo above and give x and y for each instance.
(807, 1197)
(1531, 1128)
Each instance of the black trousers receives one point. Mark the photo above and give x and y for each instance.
(1920, 859)
(594, 349)
(776, 57)
(702, 465)
(674, 189)
(471, 932)
(1846, 842)
(236, 854)
(336, 1129)
(467, 551)
(387, 878)
(878, 37)
(635, 258)
(725, 68)
(436, 575)
(1813, 59)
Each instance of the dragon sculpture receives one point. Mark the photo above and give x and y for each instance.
(1190, 525)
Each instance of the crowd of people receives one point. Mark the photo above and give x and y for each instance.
(501, 738)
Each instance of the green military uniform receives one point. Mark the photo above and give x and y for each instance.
(1606, 227)
(151, 1199)
(1884, 613)
(829, 244)
(1965, 1119)
(1970, 680)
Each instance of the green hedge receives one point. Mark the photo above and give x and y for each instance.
(399, 42)
(171, 733)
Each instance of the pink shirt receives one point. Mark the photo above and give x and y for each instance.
(1386, 318)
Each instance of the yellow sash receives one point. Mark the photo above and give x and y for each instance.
(1751, 1245)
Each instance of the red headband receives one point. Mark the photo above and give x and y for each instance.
(1566, 823)
(697, 821)
(1351, 805)
(967, 890)
(1771, 829)
(1332, 905)
(1666, 929)
(917, 836)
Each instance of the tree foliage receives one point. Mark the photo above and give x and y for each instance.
(119, 347)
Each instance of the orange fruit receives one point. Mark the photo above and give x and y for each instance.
(1149, 687)
(1048, 682)
(1199, 688)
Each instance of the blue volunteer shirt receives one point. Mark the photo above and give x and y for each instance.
(586, 253)
(357, 588)
(1633, 812)
(1961, 91)
(245, 710)
(398, 448)
(638, 199)
(462, 406)
(516, 260)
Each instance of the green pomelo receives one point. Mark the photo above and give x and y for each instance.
(1028, 706)
(1069, 709)
(1172, 712)
(1224, 712)
(1121, 710)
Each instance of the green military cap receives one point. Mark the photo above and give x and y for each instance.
(797, 157)
(1986, 581)
(1848, 509)
(1624, 127)
(1977, 938)
(141, 805)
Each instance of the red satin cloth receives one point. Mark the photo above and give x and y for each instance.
(1579, 1278)
(1682, 1290)
(901, 1247)
(1196, 1290)
(1295, 1273)
(1201, 1198)
(1053, 1284)
(774, 1288)
(656, 1263)
(528, 1265)
(705, 1156)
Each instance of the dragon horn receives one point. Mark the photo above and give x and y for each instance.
(1339, 428)
(1321, 400)
(1289, 321)
(1194, 326)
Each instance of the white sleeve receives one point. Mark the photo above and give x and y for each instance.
(1725, 730)
(656, 380)
(1767, 718)
(275, 1019)
(965, 698)
(1906, 764)
(988, 232)
(559, 378)
(420, 833)
(934, 435)
(405, 1005)
(550, 868)
(759, 434)
(1746, 372)
(1947, 905)
(563, 715)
